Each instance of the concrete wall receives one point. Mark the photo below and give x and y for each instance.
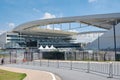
(106, 41)
(2, 40)
(87, 37)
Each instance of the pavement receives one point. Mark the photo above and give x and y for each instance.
(32, 74)
(65, 74)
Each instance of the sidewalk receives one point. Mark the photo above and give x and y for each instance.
(31, 74)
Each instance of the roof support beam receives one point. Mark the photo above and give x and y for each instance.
(69, 26)
(60, 26)
(53, 27)
(114, 34)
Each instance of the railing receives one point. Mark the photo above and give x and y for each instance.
(110, 69)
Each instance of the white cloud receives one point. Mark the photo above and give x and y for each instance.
(91, 1)
(36, 10)
(49, 27)
(73, 30)
(11, 25)
(57, 29)
(48, 15)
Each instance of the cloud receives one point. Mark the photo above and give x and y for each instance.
(36, 10)
(91, 1)
(48, 15)
(57, 29)
(11, 25)
(49, 27)
(73, 30)
(104, 6)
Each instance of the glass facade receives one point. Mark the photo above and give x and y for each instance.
(33, 41)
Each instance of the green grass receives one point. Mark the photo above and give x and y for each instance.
(7, 75)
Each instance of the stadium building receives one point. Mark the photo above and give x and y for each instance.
(44, 32)
(35, 37)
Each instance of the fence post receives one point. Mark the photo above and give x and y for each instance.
(57, 60)
(40, 57)
(10, 57)
(33, 63)
(88, 66)
(58, 63)
(71, 60)
(48, 62)
(71, 65)
(40, 62)
(27, 62)
(110, 70)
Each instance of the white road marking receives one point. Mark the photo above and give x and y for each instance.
(53, 76)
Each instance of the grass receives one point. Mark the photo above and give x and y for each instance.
(7, 75)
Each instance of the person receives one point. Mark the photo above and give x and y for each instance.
(2, 61)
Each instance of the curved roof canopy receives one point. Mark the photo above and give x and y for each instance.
(105, 21)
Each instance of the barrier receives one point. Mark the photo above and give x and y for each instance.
(110, 69)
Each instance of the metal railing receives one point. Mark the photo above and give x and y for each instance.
(110, 69)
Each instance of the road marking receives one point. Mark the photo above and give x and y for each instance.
(53, 76)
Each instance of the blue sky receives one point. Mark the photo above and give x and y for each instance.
(15, 12)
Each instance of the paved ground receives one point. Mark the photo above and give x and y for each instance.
(32, 74)
(66, 74)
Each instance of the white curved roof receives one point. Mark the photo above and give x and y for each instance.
(99, 20)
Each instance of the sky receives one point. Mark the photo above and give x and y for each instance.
(16, 12)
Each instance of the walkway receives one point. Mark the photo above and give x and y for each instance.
(32, 74)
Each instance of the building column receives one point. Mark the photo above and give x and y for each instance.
(114, 34)
(98, 42)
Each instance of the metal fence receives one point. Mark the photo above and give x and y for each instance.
(110, 69)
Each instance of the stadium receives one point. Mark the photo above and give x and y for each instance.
(57, 33)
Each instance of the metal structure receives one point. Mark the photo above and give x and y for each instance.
(100, 20)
